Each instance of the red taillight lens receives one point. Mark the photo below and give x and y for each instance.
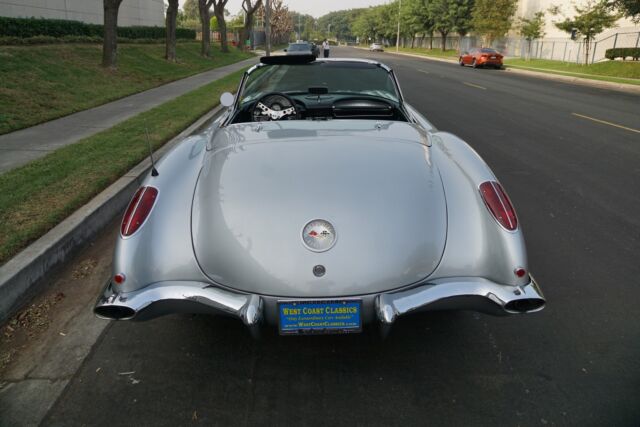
(499, 204)
(138, 210)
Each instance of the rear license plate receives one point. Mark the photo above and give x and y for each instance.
(493, 57)
(320, 317)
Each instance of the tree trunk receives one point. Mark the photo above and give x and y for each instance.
(172, 14)
(444, 40)
(430, 40)
(222, 27)
(246, 31)
(413, 41)
(205, 46)
(110, 41)
(587, 45)
(205, 22)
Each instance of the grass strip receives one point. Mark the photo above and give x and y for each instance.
(437, 53)
(36, 197)
(44, 82)
(610, 71)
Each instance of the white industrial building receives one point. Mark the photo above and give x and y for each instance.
(527, 8)
(132, 12)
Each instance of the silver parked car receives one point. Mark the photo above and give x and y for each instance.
(376, 47)
(320, 201)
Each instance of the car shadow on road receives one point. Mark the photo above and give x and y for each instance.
(193, 367)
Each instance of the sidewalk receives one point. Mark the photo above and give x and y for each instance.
(25, 145)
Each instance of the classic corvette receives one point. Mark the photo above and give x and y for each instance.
(319, 201)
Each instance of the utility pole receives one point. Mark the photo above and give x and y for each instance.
(267, 26)
(398, 36)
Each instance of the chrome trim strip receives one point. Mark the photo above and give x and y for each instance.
(246, 307)
(466, 293)
(390, 306)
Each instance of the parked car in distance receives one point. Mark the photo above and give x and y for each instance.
(315, 49)
(376, 47)
(481, 57)
(302, 48)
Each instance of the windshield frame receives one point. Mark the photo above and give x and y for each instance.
(235, 107)
(392, 76)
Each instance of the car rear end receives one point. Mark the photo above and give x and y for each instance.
(489, 57)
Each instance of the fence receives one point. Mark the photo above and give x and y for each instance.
(569, 50)
(560, 49)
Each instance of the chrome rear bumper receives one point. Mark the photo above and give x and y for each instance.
(474, 294)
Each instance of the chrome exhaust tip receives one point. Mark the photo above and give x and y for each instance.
(114, 312)
(525, 305)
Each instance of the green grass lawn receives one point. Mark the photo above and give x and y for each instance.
(43, 82)
(36, 197)
(615, 71)
(452, 53)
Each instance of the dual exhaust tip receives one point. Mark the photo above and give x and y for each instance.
(524, 305)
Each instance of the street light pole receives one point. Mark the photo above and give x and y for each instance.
(398, 36)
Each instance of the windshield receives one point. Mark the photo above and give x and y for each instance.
(358, 78)
(299, 47)
(488, 50)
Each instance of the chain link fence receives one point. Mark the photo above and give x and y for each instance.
(558, 49)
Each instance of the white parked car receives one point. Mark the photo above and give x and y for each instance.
(376, 47)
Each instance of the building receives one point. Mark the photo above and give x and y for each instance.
(131, 13)
(527, 8)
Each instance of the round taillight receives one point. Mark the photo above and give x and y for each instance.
(499, 205)
(520, 272)
(119, 278)
(138, 210)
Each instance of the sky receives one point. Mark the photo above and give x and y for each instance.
(315, 8)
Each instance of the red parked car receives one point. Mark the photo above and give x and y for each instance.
(481, 57)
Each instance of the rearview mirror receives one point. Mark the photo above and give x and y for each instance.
(226, 99)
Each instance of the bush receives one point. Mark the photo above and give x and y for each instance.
(623, 52)
(36, 27)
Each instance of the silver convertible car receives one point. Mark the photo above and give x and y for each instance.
(319, 201)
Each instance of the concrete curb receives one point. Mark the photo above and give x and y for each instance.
(21, 276)
(583, 81)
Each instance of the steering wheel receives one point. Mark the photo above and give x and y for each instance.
(274, 106)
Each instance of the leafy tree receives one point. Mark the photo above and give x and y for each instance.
(366, 25)
(171, 22)
(628, 8)
(415, 19)
(281, 22)
(340, 22)
(589, 21)
(303, 25)
(110, 41)
(531, 29)
(493, 18)
(190, 9)
(450, 15)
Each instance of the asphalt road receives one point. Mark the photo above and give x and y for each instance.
(576, 185)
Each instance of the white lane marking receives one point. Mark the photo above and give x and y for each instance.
(423, 71)
(606, 123)
(476, 86)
